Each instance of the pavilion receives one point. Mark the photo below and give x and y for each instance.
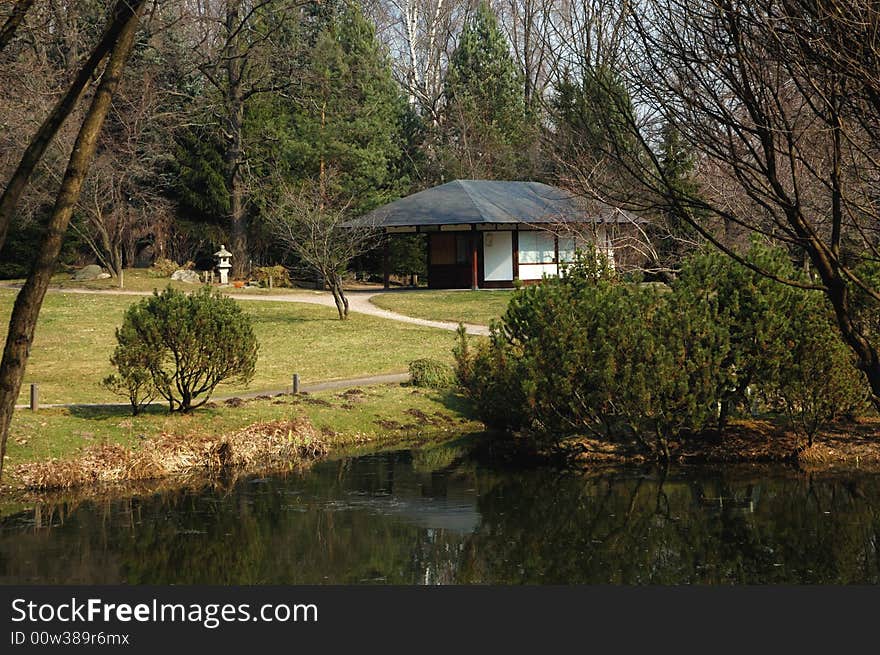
(487, 233)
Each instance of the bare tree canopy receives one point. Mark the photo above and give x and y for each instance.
(322, 233)
(781, 115)
(26, 309)
(12, 193)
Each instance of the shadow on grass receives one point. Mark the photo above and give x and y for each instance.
(453, 400)
(270, 316)
(116, 411)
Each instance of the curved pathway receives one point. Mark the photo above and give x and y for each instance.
(359, 301)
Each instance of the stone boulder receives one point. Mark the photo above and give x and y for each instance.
(186, 275)
(90, 272)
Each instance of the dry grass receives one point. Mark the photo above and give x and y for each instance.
(843, 445)
(258, 446)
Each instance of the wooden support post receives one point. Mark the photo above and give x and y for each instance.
(35, 397)
(474, 262)
(386, 262)
(514, 242)
(295, 386)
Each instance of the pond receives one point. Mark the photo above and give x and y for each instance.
(443, 515)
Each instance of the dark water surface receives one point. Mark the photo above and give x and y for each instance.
(438, 516)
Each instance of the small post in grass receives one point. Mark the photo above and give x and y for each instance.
(295, 383)
(35, 397)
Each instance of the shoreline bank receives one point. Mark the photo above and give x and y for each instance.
(325, 425)
(842, 446)
(67, 448)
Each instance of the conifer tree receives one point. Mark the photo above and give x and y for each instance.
(676, 236)
(485, 129)
(591, 117)
(348, 113)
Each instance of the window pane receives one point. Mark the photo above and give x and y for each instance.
(566, 249)
(536, 248)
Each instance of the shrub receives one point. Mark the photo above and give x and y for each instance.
(817, 380)
(133, 378)
(187, 344)
(491, 378)
(274, 276)
(588, 354)
(752, 310)
(163, 267)
(431, 373)
(609, 359)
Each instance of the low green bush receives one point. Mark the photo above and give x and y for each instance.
(431, 373)
(590, 354)
(163, 267)
(184, 345)
(274, 276)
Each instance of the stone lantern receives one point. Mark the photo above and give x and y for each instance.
(223, 263)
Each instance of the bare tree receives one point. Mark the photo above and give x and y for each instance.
(122, 201)
(322, 234)
(783, 117)
(40, 142)
(530, 30)
(586, 34)
(421, 36)
(30, 299)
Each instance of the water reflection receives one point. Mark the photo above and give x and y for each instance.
(437, 516)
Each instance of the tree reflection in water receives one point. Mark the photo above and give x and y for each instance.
(437, 516)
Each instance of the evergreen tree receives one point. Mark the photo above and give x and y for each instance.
(485, 127)
(348, 116)
(676, 237)
(591, 117)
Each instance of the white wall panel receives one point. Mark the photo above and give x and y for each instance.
(497, 256)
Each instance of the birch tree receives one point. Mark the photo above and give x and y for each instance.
(421, 36)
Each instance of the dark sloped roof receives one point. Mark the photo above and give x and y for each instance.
(487, 201)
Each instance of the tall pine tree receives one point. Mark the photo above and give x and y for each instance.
(591, 117)
(348, 113)
(485, 132)
(674, 236)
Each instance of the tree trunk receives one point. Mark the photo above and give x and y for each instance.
(663, 448)
(118, 265)
(235, 125)
(122, 13)
(724, 412)
(30, 298)
(339, 297)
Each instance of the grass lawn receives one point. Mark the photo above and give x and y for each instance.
(383, 413)
(478, 307)
(142, 279)
(75, 338)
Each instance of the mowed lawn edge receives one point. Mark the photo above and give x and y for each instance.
(75, 337)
